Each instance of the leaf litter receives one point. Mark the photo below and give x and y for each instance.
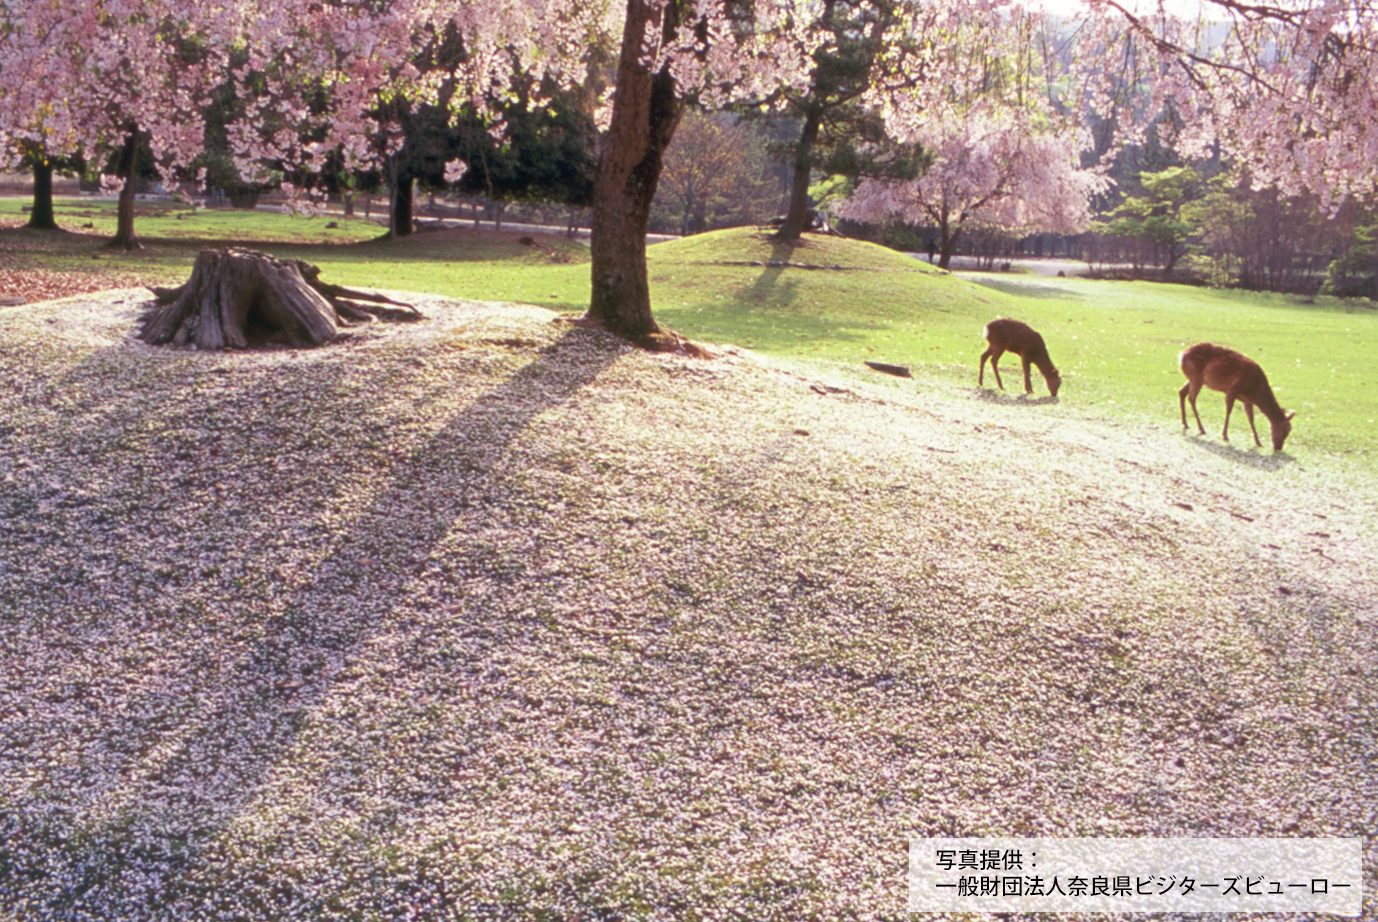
(492, 617)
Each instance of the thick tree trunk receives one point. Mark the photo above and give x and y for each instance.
(124, 238)
(797, 215)
(947, 240)
(239, 298)
(948, 249)
(42, 217)
(401, 220)
(645, 113)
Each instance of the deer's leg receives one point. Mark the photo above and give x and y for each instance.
(1249, 411)
(1189, 391)
(1028, 385)
(1229, 405)
(981, 378)
(994, 359)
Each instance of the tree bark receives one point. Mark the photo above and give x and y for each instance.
(124, 238)
(948, 232)
(42, 217)
(240, 298)
(646, 110)
(797, 214)
(400, 218)
(948, 249)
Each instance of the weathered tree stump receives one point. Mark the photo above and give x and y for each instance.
(240, 298)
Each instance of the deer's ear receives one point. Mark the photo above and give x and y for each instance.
(1290, 414)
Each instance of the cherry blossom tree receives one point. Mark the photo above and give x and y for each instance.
(112, 76)
(672, 52)
(1285, 92)
(1001, 129)
(139, 74)
(994, 169)
(37, 128)
(859, 52)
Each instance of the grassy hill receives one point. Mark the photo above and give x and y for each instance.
(1116, 343)
(494, 618)
(834, 300)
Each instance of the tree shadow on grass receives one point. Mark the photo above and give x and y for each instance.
(1027, 289)
(768, 286)
(170, 803)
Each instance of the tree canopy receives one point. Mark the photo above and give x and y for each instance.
(1288, 92)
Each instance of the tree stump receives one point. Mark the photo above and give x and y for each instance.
(240, 298)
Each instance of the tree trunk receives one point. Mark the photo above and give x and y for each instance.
(239, 298)
(796, 217)
(124, 238)
(645, 113)
(948, 248)
(947, 237)
(42, 217)
(400, 215)
(1171, 262)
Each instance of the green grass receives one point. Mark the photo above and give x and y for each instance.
(172, 222)
(458, 263)
(1116, 343)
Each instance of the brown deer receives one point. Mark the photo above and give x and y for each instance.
(1240, 378)
(1023, 340)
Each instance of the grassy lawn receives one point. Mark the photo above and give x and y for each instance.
(1116, 343)
(834, 300)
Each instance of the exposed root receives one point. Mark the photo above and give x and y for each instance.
(659, 341)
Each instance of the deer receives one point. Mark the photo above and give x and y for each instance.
(1239, 378)
(1023, 340)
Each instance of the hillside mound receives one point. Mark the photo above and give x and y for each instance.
(757, 246)
(497, 617)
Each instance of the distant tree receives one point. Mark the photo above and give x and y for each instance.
(1155, 219)
(1259, 239)
(1354, 272)
(997, 171)
(38, 130)
(859, 47)
(546, 150)
(715, 171)
(134, 76)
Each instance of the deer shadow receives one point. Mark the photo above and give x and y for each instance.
(1253, 456)
(1003, 398)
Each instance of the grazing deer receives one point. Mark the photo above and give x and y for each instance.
(1240, 378)
(1023, 340)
